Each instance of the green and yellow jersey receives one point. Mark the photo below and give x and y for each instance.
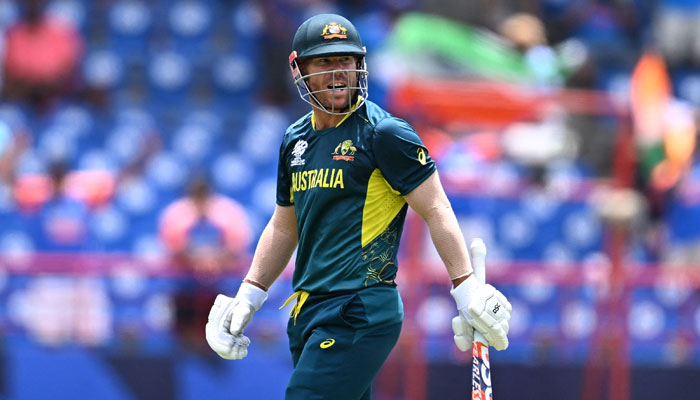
(346, 184)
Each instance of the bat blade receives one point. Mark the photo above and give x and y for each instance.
(481, 370)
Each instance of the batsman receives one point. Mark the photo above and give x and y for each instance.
(347, 173)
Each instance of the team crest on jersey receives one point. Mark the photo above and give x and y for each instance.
(299, 149)
(344, 151)
(334, 30)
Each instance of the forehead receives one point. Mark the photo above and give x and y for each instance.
(331, 57)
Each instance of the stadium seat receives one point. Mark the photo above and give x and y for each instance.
(136, 197)
(130, 26)
(166, 170)
(72, 12)
(110, 228)
(232, 172)
(233, 74)
(190, 25)
(192, 143)
(9, 14)
(689, 88)
(103, 69)
(126, 143)
(169, 81)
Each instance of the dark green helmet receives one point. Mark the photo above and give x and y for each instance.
(330, 35)
(325, 35)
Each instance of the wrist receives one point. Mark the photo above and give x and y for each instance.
(457, 281)
(462, 293)
(256, 284)
(252, 295)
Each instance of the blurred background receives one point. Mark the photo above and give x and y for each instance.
(138, 152)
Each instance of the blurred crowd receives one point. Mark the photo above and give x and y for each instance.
(151, 127)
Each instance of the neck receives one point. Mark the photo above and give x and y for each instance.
(323, 120)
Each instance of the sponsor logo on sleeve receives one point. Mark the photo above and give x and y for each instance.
(422, 157)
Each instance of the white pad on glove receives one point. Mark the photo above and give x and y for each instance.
(464, 333)
(229, 317)
(484, 308)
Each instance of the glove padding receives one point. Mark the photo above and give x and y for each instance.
(484, 308)
(229, 317)
(464, 333)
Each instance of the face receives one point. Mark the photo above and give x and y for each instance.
(333, 90)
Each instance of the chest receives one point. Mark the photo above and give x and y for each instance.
(333, 164)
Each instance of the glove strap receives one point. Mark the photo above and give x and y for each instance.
(252, 295)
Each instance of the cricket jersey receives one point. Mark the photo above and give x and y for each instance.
(346, 184)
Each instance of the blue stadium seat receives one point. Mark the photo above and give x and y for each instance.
(169, 81)
(190, 24)
(130, 25)
(17, 244)
(136, 197)
(15, 116)
(57, 144)
(72, 12)
(192, 143)
(30, 162)
(110, 228)
(167, 172)
(232, 173)
(103, 69)
(126, 143)
(688, 87)
(9, 14)
(98, 159)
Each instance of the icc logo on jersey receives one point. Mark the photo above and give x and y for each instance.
(299, 149)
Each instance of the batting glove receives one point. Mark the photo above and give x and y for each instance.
(229, 317)
(484, 308)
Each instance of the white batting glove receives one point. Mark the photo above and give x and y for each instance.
(484, 308)
(229, 317)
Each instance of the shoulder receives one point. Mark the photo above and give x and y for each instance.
(384, 123)
(297, 129)
(373, 114)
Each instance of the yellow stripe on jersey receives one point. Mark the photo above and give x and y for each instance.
(382, 204)
(313, 120)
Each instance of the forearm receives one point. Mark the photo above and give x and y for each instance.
(431, 203)
(272, 254)
(449, 242)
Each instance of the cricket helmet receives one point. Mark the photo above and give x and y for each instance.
(328, 35)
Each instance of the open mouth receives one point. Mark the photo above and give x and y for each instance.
(337, 86)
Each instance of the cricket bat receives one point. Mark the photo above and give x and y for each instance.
(481, 366)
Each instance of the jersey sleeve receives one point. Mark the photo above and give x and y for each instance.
(284, 193)
(401, 156)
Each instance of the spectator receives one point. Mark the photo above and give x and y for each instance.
(12, 144)
(41, 58)
(63, 217)
(206, 234)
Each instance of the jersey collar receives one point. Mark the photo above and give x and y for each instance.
(313, 120)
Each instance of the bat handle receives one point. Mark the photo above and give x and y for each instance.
(478, 257)
(478, 249)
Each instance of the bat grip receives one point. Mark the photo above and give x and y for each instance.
(478, 256)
